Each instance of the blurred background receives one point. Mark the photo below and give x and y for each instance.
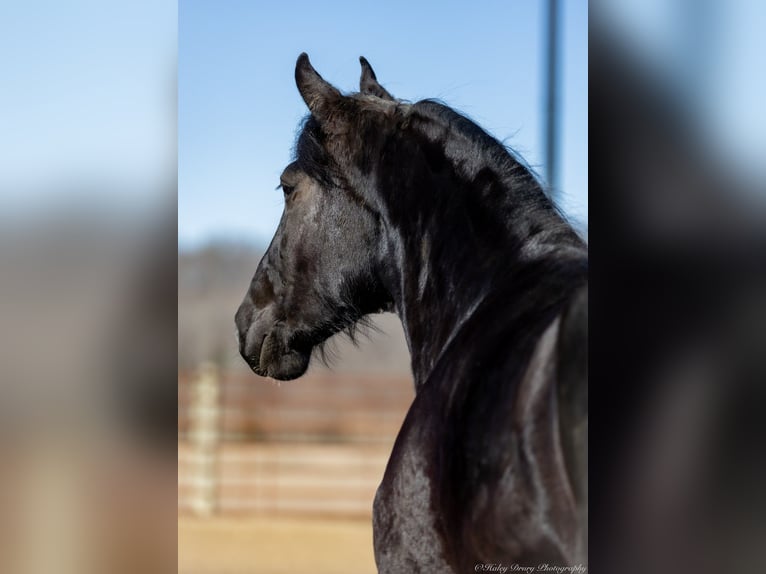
(281, 477)
(88, 243)
(678, 378)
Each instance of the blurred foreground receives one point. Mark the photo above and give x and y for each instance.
(678, 373)
(88, 287)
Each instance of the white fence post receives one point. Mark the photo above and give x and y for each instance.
(204, 435)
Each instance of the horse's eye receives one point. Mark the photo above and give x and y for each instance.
(287, 189)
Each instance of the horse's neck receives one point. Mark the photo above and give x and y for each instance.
(444, 273)
(461, 220)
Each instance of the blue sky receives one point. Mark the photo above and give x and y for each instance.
(239, 108)
(87, 97)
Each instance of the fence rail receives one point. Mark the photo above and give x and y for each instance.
(318, 446)
(287, 478)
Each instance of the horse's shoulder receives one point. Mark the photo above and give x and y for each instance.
(408, 533)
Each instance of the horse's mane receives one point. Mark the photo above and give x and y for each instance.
(308, 151)
(310, 156)
(516, 172)
(483, 150)
(462, 125)
(478, 149)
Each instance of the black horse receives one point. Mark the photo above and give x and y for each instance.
(413, 208)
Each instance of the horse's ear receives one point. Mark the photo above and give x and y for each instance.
(368, 83)
(318, 94)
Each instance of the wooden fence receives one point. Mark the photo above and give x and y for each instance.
(315, 446)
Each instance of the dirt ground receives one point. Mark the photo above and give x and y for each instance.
(274, 545)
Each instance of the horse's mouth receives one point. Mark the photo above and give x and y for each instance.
(274, 359)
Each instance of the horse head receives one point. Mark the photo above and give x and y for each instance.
(319, 275)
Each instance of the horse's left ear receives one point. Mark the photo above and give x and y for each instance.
(320, 96)
(368, 83)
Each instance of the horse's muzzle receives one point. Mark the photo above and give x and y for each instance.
(263, 345)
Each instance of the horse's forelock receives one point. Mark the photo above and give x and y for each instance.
(309, 153)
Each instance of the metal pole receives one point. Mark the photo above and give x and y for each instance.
(551, 100)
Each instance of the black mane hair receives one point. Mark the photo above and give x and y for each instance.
(310, 156)
(503, 156)
(308, 151)
(486, 150)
